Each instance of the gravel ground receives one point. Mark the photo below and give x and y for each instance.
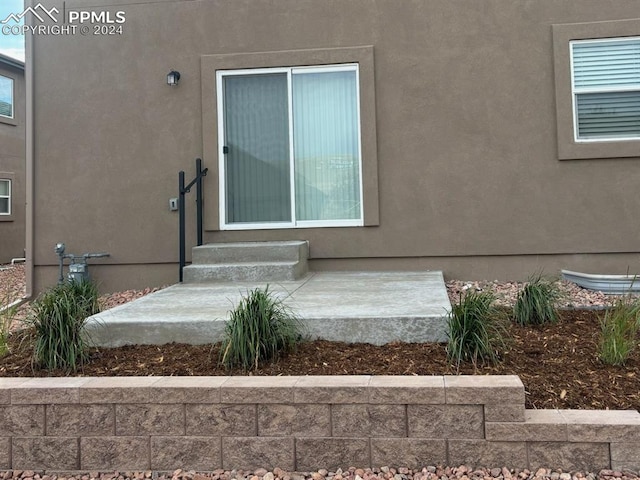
(383, 473)
(573, 296)
(12, 287)
(12, 283)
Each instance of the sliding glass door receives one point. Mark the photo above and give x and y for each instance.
(290, 147)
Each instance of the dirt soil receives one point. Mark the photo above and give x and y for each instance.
(558, 364)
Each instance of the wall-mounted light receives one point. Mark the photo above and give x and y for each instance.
(173, 78)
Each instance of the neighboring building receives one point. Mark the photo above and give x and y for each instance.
(12, 159)
(488, 139)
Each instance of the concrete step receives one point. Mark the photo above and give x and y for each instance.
(243, 252)
(248, 261)
(244, 272)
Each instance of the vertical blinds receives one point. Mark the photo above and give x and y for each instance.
(606, 85)
(326, 146)
(301, 121)
(257, 138)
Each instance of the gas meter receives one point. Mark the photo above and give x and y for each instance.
(78, 266)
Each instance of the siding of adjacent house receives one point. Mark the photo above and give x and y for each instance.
(12, 163)
(463, 100)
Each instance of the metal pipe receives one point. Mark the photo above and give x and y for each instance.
(60, 268)
(181, 211)
(14, 304)
(60, 247)
(199, 175)
(182, 191)
(30, 155)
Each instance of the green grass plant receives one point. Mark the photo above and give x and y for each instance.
(537, 301)
(260, 328)
(58, 318)
(620, 325)
(7, 316)
(10, 303)
(475, 329)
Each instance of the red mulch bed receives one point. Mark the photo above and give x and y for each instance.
(558, 364)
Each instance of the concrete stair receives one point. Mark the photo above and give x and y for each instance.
(248, 262)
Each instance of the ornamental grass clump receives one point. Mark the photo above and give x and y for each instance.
(7, 316)
(58, 318)
(476, 329)
(537, 302)
(8, 311)
(620, 326)
(259, 329)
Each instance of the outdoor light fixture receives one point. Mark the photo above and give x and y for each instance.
(173, 78)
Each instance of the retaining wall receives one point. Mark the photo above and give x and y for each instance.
(299, 423)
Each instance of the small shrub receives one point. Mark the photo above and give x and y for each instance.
(7, 317)
(537, 302)
(620, 327)
(475, 329)
(260, 328)
(58, 318)
(9, 306)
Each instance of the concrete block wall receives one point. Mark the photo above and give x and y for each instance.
(299, 423)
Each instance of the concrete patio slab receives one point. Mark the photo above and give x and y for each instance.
(366, 307)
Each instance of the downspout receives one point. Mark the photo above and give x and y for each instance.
(29, 147)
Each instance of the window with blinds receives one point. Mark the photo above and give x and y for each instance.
(6, 96)
(5, 197)
(605, 77)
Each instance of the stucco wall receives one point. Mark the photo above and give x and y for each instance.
(300, 424)
(12, 167)
(464, 107)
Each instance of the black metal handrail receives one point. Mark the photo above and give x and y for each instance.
(182, 191)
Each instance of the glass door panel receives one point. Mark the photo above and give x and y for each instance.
(326, 145)
(257, 159)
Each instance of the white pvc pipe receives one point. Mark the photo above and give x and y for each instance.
(16, 303)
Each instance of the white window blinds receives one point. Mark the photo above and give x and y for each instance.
(606, 88)
(5, 197)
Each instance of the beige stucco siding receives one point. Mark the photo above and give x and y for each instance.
(12, 168)
(468, 177)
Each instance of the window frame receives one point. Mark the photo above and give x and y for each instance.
(13, 95)
(8, 197)
(568, 147)
(583, 90)
(290, 71)
(362, 55)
